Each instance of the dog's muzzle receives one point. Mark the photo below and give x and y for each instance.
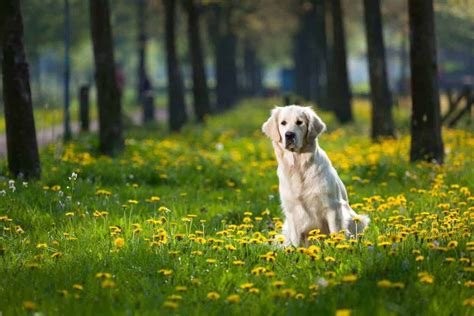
(290, 139)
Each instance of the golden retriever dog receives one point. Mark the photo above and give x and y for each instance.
(311, 192)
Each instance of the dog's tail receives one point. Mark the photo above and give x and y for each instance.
(358, 223)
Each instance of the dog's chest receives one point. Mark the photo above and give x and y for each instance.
(300, 182)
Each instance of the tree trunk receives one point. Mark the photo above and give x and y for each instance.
(22, 148)
(226, 55)
(110, 117)
(143, 80)
(382, 122)
(200, 89)
(320, 55)
(340, 90)
(426, 140)
(303, 54)
(176, 106)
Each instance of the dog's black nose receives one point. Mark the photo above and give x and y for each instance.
(290, 135)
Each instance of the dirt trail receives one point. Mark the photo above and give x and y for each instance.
(52, 134)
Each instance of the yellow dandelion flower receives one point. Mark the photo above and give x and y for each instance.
(299, 296)
(56, 254)
(452, 244)
(233, 298)
(42, 246)
(246, 286)
(103, 275)
(349, 278)
(166, 272)
(78, 287)
(238, 262)
(213, 296)
(230, 247)
(278, 284)
(254, 290)
(343, 312)
(119, 242)
(425, 277)
(170, 305)
(384, 284)
(419, 258)
(468, 302)
(29, 305)
(108, 284)
(175, 297)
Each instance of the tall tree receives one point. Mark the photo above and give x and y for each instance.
(339, 90)
(303, 51)
(200, 89)
(143, 80)
(426, 140)
(223, 35)
(382, 122)
(176, 106)
(22, 148)
(67, 71)
(320, 55)
(110, 117)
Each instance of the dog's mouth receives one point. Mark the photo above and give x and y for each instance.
(290, 146)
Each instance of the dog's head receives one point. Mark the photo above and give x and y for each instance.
(293, 126)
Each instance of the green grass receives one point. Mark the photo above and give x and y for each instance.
(217, 186)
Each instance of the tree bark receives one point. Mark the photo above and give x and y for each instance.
(225, 56)
(303, 54)
(110, 117)
(22, 148)
(426, 140)
(200, 89)
(320, 55)
(382, 122)
(340, 90)
(143, 80)
(176, 106)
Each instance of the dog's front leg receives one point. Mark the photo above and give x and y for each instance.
(290, 232)
(332, 220)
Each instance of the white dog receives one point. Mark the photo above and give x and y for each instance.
(311, 192)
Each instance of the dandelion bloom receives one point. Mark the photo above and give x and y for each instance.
(108, 284)
(78, 287)
(246, 286)
(343, 312)
(278, 283)
(170, 305)
(166, 272)
(119, 242)
(233, 298)
(349, 278)
(29, 305)
(213, 296)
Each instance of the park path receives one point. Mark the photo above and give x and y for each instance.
(53, 134)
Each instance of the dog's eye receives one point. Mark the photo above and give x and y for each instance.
(283, 123)
(299, 122)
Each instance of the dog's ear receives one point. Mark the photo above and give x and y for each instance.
(270, 127)
(315, 125)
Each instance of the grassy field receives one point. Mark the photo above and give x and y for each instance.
(185, 224)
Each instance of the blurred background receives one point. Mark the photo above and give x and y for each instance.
(249, 48)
